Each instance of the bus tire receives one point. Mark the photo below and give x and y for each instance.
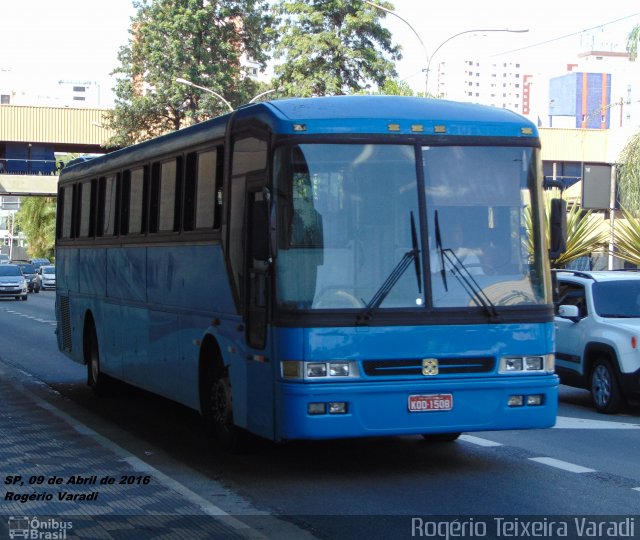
(101, 384)
(217, 410)
(441, 437)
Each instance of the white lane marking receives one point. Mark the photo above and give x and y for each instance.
(565, 422)
(479, 441)
(564, 465)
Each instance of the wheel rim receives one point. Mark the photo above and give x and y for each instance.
(601, 385)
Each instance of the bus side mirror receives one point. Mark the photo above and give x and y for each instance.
(260, 230)
(558, 226)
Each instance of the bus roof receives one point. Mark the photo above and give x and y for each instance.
(358, 115)
(397, 114)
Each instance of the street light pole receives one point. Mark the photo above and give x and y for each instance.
(255, 98)
(424, 48)
(189, 83)
(467, 32)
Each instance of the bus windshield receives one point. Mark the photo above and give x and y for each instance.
(344, 223)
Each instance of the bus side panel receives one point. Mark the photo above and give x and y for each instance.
(126, 274)
(191, 277)
(92, 268)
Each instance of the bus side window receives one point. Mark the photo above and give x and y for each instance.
(154, 197)
(167, 196)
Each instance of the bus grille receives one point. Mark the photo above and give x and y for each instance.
(446, 366)
(65, 317)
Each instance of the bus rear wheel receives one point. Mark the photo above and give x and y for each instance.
(101, 384)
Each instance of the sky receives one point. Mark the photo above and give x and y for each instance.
(44, 41)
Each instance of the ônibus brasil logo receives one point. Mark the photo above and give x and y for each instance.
(38, 528)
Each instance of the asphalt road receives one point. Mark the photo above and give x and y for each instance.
(589, 464)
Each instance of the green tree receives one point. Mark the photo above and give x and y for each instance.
(201, 41)
(629, 176)
(332, 47)
(37, 220)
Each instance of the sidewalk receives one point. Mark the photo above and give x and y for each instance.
(64, 480)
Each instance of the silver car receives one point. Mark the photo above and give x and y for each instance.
(47, 276)
(12, 282)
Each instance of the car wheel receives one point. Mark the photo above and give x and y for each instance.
(605, 390)
(25, 297)
(218, 412)
(441, 437)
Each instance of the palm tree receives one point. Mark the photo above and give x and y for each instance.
(584, 232)
(632, 42)
(627, 238)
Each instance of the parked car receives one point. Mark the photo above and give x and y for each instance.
(598, 335)
(47, 275)
(12, 282)
(30, 273)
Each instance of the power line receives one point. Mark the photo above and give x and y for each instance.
(566, 36)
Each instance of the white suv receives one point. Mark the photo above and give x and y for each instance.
(598, 335)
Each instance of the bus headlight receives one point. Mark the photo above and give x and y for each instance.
(339, 369)
(527, 364)
(316, 370)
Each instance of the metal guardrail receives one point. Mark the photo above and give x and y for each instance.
(30, 166)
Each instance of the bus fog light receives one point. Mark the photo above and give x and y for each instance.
(316, 370)
(339, 407)
(515, 401)
(339, 369)
(535, 399)
(317, 408)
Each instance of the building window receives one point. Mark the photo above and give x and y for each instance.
(5, 99)
(79, 89)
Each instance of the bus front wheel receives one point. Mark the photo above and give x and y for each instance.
(218, 413)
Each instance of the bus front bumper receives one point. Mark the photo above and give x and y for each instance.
(369, 409)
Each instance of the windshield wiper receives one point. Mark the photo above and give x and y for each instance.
(395, 275)
(469, 284)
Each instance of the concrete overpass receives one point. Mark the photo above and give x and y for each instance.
(61, 129)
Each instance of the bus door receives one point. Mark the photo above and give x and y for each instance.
(249, 250)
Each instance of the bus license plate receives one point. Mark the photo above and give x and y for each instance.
(430, 403)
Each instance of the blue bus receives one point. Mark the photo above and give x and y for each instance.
(318, 268)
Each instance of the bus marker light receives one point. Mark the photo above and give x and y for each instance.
(393, 127)
(338, 407)
(526, 131)
(417, 128)
(299, 127)
(439, 129)
(317, 408)
(515, 401)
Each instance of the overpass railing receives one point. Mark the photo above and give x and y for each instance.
(30, 166)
